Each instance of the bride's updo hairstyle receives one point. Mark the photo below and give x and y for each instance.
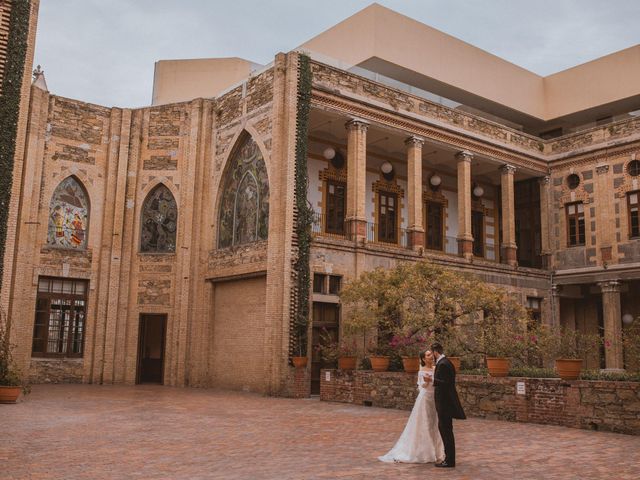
(423, 360)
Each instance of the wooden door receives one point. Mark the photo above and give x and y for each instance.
(151, 347)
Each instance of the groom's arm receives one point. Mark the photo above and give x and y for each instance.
(444, 377)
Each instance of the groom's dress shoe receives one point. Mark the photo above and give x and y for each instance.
(445, 465)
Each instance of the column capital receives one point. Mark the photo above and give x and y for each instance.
(414, 140)
(464, 156)
(555, 290)
(546, 180)
(357, 123)
(507, 169)
(609, 286)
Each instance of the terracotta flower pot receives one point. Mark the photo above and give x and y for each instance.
(498, 367)
(9, 394)
(411, 364)
(379, 363)
(299, 362)
(568, 368)
(347, 363)
(455, 361)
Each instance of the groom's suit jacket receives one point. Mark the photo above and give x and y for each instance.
(445, 394)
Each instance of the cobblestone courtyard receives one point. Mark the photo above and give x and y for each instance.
(105, 432)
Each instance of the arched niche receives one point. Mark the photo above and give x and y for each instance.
(243, 215)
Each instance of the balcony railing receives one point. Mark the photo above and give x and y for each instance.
(375, 234)
(323, 227)
(330, 229)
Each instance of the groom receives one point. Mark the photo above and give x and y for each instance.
(447, 404)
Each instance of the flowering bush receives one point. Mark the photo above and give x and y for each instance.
(407, 345)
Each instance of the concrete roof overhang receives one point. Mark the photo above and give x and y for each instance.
(386, 42)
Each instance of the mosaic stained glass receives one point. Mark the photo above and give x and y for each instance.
(68, 216)
(159, 221)
(244, 209)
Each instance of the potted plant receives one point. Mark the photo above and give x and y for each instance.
(500, 341)
(378, 353)
(569, 348)
(347, 355)
(343, 352)
(408, 346)
(454, 345)
(11, 383)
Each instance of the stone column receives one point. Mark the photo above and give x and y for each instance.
(508, 252)
(611, 312)
(414, 188)
(555, 306)
(545, 209)
(356, 178)
(605, 217)
(465, 239)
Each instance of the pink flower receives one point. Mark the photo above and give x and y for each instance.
(607, 343)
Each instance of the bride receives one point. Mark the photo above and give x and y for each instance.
(420, 441)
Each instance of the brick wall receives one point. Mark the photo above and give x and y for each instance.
(598, 405)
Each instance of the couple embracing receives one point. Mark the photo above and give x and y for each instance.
(428, 435)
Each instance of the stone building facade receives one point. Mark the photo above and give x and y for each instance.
(157, 244)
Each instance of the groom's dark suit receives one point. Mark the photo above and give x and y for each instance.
(447, 405)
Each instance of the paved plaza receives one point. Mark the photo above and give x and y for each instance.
(152, 432)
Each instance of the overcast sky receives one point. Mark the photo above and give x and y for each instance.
(103, 51)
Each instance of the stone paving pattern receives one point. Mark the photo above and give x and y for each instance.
(151, 432)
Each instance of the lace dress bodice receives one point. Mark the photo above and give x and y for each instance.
(421, 375)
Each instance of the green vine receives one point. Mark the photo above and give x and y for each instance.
(10, 109)
(304, 213)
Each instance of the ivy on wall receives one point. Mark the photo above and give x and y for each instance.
(303, 213)
(10, 109)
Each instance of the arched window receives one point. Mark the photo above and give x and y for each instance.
(69, 215)
(159, 222)
(244, 207)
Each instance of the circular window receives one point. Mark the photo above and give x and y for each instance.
(634, 168)
(573, 181)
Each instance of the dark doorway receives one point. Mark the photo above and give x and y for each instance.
(151, 341)
(325, 317)
(527, 217)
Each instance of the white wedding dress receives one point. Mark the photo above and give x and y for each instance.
(420, 441)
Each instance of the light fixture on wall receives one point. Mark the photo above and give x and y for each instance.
(627, 319)
(334, 156)
(478, 191)
(435, 180)
(387, 171)
(329, 153)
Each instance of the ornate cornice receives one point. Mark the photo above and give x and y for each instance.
(379, 115)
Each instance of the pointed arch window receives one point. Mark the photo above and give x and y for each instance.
(159, 222)
(243, 216)
(69, 216)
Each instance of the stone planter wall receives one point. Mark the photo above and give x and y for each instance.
(598, 405)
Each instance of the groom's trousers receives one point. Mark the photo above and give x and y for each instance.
(445, 426)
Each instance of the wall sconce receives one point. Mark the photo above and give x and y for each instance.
(435, 181)
(627, 319)
(329, 153)
(387, 171)
(336, 158)
(478, 191)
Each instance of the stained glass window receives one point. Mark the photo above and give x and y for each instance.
(68, 216)
(159, 221)
(244, 207)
